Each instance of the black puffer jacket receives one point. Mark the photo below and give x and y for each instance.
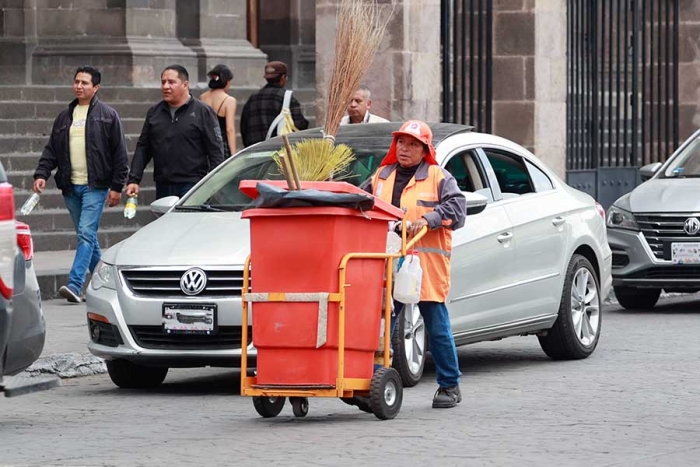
(105, 149)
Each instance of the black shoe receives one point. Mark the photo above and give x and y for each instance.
(69, 295)
(446, 398)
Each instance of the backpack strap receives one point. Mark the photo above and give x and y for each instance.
(278, 119)
(287, 100)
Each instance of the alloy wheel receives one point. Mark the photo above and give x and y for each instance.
(414, 338)
(585, 306)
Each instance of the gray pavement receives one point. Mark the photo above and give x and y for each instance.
(632, 403)
(65, 351)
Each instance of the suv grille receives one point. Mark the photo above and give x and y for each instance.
(166, 282)
(154, 337)
(660, 230)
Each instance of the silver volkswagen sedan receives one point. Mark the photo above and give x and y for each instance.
(654, 231)
(534, 261)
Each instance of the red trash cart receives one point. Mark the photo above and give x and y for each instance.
(320, 275)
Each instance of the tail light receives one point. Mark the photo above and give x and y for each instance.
(24, 240)
(7, 240)
(7, 202)
(600, 210)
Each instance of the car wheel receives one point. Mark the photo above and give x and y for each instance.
(635, 298)
(409, 344)
(129, 375)
(576, 331)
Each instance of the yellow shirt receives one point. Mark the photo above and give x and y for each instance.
(78, 156)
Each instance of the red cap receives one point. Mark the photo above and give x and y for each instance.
(415, 129)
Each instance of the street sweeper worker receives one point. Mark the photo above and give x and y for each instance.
(410, 178)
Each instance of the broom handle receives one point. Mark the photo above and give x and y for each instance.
(285, 171)
(292, 164)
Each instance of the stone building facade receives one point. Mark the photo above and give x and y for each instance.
(42, 41)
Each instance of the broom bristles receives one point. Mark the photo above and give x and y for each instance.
(360, 32)
(318, 160)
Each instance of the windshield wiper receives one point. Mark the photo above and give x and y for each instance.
(201, 208)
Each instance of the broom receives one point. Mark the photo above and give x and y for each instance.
(359, 34)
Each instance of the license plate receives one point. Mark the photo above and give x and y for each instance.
(189, 319)
(685, 253)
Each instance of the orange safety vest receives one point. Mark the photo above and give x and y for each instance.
(419, 197)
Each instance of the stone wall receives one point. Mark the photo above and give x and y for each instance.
(131, 41)
(287, 32)
(689, 68)
(405, 75)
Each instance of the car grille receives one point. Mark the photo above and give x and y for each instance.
(166, 282)
(660, 230)
(681, 272)
(154, 337)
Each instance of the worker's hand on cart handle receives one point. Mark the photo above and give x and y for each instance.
(415, 227)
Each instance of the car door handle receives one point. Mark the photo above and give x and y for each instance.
(558, 221)
(506, 237)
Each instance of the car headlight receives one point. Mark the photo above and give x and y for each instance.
(104, 276)
(621, 219)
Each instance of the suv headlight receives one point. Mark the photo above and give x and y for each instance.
(104, 276)
(620, 219)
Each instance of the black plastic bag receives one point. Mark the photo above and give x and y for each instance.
(272, 197)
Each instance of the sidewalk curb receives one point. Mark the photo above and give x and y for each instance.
(67, 365)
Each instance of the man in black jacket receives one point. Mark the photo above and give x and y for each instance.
(261, 109)
(87, 145)
(182, 136)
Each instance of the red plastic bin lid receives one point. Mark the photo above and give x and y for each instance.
(250, 188)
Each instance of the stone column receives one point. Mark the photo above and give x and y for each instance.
(688, 69)
(288, 33)
(513, 71)
(131, 41)
(215, 30)
(405, 75)
(17, 39)
(550, 84)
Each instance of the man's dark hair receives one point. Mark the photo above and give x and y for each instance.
(181, 71)
(93, 72)
(276, 80)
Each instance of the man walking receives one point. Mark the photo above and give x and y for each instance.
(358, 109)
(264, 106)
(182, 136)
(87, 145)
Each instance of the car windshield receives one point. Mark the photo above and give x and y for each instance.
(685, 164)
(220, 192)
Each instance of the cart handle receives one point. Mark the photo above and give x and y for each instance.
(413, 241)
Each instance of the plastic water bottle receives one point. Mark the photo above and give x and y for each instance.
(408, 279)
(130, 208)
(28, 205)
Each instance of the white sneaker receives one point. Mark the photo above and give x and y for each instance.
(69, 295)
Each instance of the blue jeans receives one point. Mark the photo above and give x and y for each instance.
(440, 339)
(172, 189)
(85, 205)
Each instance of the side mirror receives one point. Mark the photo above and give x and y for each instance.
(649, 170)
(163, 205)
(475, 203)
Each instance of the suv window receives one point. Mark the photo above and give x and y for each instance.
(510, 171)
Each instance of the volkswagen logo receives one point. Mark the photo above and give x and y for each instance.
(193, 281)
(691, 226)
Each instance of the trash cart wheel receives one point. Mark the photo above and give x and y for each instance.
(300, 406)
(268, 407)
(361, 402)
(386, 393)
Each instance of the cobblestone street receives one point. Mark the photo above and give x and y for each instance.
(634, 402)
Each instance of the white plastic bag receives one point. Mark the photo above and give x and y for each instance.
(408, 280)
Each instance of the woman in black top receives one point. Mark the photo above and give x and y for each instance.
(220, 78)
